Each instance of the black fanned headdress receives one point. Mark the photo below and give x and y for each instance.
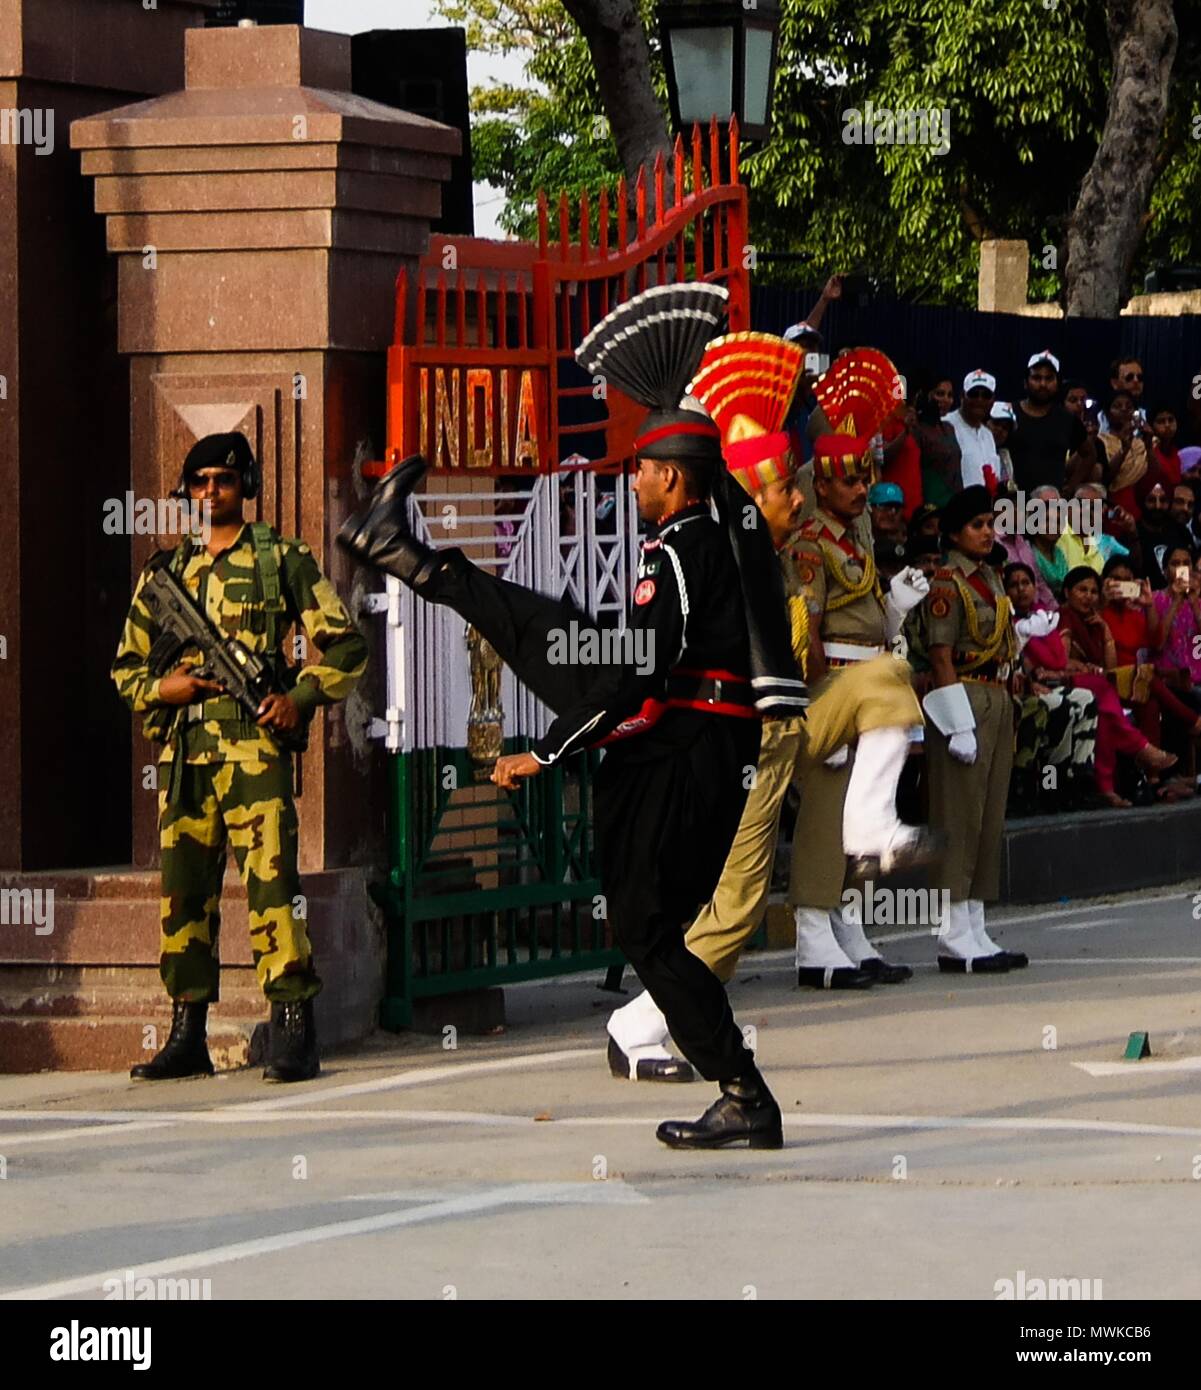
(649, 348)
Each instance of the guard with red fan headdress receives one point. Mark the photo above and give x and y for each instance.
(746, 382)
(848, 799)
(681, 727)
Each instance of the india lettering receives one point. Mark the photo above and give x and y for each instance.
(479, 417)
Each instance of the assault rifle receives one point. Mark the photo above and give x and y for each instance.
(239, 671)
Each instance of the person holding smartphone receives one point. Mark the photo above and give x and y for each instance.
(1138, 634)
(1178, 662)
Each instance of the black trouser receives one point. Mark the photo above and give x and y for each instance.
(666, 806)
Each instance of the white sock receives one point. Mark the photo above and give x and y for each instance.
(955, 935)
(849, 933)
(985, 945)
(816, 945)
(639, 1024)
(869, 815)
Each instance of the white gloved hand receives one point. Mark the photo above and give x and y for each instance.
(839, 757)
(1041, 624)
(908, 588)
(962, 747)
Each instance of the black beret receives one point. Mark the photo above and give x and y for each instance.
(219, 451)
(971, 502)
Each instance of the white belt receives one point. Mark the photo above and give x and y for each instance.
(849, 651)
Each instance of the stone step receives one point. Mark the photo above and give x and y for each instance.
(122, 993)
(115, 1044)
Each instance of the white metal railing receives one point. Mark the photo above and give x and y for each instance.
(518, 535)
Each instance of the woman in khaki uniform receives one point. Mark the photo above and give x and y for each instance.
(973, 646)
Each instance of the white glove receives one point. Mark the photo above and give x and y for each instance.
(908, 588)
(1037, 625)
(839, 756)
(905, 591)
(962, 747)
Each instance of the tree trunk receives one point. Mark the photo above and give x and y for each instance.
(622, 58)
(1107, 226)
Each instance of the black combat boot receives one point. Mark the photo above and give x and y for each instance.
(379, 533)
(292, 1043)
(185, 1053)
(745, 1112)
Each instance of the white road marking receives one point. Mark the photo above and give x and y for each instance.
(8, 1141)
(1138, 1068)
(817, 1120)
(514, 1195)
(420, 1076)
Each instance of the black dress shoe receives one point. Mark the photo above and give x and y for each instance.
(1018, 960)
(978, 965)
(185, 1053)
(744, 1113)
(880, 972)
(379, 533)
(649, 1068)
(292, 1043)
(924, 848)
(836, 977)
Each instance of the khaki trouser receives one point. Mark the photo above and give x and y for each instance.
(873, 695)
(967, 801)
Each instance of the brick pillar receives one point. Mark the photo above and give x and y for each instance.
(259, 218)
(64, 433)
(1004, 275)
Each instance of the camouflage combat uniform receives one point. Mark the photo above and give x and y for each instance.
(222, 779)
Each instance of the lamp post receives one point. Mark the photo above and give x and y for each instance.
(720, 59)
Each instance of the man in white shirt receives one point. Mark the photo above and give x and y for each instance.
(977, 447)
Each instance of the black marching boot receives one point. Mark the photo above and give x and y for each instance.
(292, 1043)
(379, 533)
(185, 1053)
(745, 1112)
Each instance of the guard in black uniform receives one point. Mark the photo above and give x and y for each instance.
(681, 732)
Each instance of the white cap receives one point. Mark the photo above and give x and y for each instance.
(800, 330)
(1046, 355)
(1002, 410)
(979, 378)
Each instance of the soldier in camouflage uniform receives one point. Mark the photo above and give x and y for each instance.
(224, 779)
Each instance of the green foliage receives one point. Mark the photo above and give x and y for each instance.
(1025, 84)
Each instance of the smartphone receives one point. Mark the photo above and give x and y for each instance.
(1126, 588)
(1140, 419)
(1182, 574)
(902, 388)
(817, 362)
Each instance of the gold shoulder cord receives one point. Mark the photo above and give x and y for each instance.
(1002, 629)
(798, 614)
(835, 563)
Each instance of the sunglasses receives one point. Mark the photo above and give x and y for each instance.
(1132, 376)
(225, 480)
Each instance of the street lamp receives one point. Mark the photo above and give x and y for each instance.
(720, 57)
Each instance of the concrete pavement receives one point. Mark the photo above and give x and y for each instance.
(941, 1136)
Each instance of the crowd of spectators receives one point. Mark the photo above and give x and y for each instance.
(1111, 698)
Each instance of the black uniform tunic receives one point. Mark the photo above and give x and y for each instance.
(672, 785)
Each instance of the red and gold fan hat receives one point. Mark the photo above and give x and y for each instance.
(746, 382)
(859, 392)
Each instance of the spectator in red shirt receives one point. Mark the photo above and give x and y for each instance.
(1165, 455)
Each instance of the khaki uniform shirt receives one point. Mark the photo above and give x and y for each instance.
(832, 564)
